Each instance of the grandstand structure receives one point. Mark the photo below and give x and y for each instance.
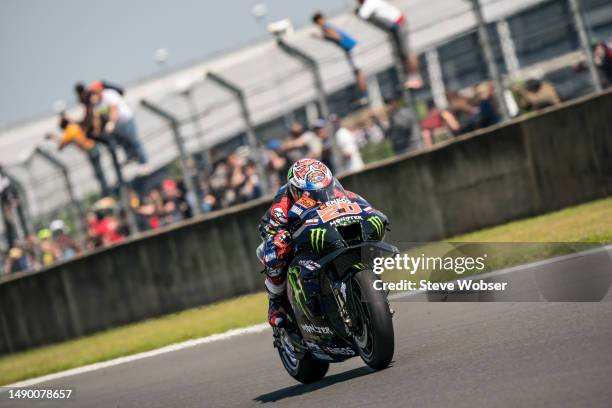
(530, 37)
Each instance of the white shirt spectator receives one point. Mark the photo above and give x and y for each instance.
(381, 10)
(110, 97)
(350, 156)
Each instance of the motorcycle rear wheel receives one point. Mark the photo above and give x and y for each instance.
(305, 369)
(375, 339)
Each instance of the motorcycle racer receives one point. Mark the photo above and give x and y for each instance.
(309, 182)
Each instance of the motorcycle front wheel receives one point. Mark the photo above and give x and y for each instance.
(374, 336)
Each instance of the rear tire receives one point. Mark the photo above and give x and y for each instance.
(300, 365)
(307, 369)
(376, 340)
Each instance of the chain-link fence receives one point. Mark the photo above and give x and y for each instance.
(44, 182)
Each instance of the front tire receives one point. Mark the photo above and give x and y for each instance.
(375, 338)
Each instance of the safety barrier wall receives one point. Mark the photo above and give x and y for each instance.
(532, 165)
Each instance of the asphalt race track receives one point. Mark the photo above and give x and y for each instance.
(447, 354)
(459, 354)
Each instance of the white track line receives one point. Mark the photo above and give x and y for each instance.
(258, 328)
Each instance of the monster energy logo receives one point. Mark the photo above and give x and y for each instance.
(378, 224)
(359, 266)
(298, 291)
(317, 238)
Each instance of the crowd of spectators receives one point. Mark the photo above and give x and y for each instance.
(45, 248)
(233, 178)
(107, 125)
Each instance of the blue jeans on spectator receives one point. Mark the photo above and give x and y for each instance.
(94, 158)
(126, 135)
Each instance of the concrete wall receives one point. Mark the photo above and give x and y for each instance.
(189, 265)
(533, 165)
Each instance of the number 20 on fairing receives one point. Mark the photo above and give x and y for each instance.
(339, 209)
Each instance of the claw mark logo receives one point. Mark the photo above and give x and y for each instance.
(317, 238)
(298, 290)
(378, 225)
(359, 266)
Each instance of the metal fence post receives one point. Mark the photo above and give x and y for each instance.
(508, 48)
(246, 116)
(193, 111)
(401, 70)
(583, 35)
(374, 92)
(180, 145)
(436, 78)
(77, 211)
(485, 43)
(313, 66)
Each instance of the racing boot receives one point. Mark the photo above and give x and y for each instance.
(277, 311)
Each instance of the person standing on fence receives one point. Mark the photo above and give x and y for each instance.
(384, 14)
(83, 97)
(112, 116)
(74, 134)
(348, 44)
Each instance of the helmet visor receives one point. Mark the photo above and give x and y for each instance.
(332, 191)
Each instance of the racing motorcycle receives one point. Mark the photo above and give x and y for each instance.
(336, 312)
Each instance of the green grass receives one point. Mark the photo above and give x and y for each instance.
(590, 222)
(134, 338)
